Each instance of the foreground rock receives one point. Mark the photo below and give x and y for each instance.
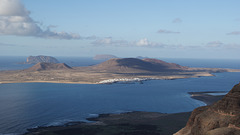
(41, 58)
(221, 118)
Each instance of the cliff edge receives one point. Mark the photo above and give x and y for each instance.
(221, 118)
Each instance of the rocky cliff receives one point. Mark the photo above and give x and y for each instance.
(221, 118)
(41, 58)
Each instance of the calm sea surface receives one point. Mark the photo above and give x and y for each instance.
(29, 105)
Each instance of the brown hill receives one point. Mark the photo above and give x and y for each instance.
(48, 66)
(221, 118)
(137, 65)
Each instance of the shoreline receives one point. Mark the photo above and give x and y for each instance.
(137, 122)
(113, 80)
(205, 96)
(90, 75)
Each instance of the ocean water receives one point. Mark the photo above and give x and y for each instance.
(28, 105)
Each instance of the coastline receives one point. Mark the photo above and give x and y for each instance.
(141, 123)
(111, 80)
(135, 122)
(85, 75)
(206, 97)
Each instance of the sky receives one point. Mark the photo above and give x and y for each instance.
(208, 29)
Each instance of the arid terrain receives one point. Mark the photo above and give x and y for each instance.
(113, 70)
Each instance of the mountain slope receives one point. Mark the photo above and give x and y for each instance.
(221, 118)
(136, 65)
(48, 66)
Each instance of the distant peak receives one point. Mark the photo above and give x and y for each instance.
(41, 58)
(104, 57)
(48, 66)
(134, 64)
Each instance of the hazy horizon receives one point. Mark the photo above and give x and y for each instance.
(160, 29)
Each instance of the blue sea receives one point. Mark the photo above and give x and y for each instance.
(28, 105)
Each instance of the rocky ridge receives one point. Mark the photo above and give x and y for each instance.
(223, 117)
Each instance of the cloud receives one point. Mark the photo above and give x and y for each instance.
(221, 45)
(161, 31)
(232, 46)
(234, 33)
(143, 42)
(146, 43)
(15, 20)
(4, 44)
(215, 44)
(12, 8)
(177, 20)
(110, 41)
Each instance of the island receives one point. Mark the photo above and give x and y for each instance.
(41, 58)
(104, 57)
(110, 71)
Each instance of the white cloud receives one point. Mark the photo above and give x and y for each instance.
(110, 41)
(177, 20)
(215, 44)
(221, 45)
(234, 33)
(107, 40)
(161, 31)
(12, 8)
(143, 42)
(146, 43)
(15, 20)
